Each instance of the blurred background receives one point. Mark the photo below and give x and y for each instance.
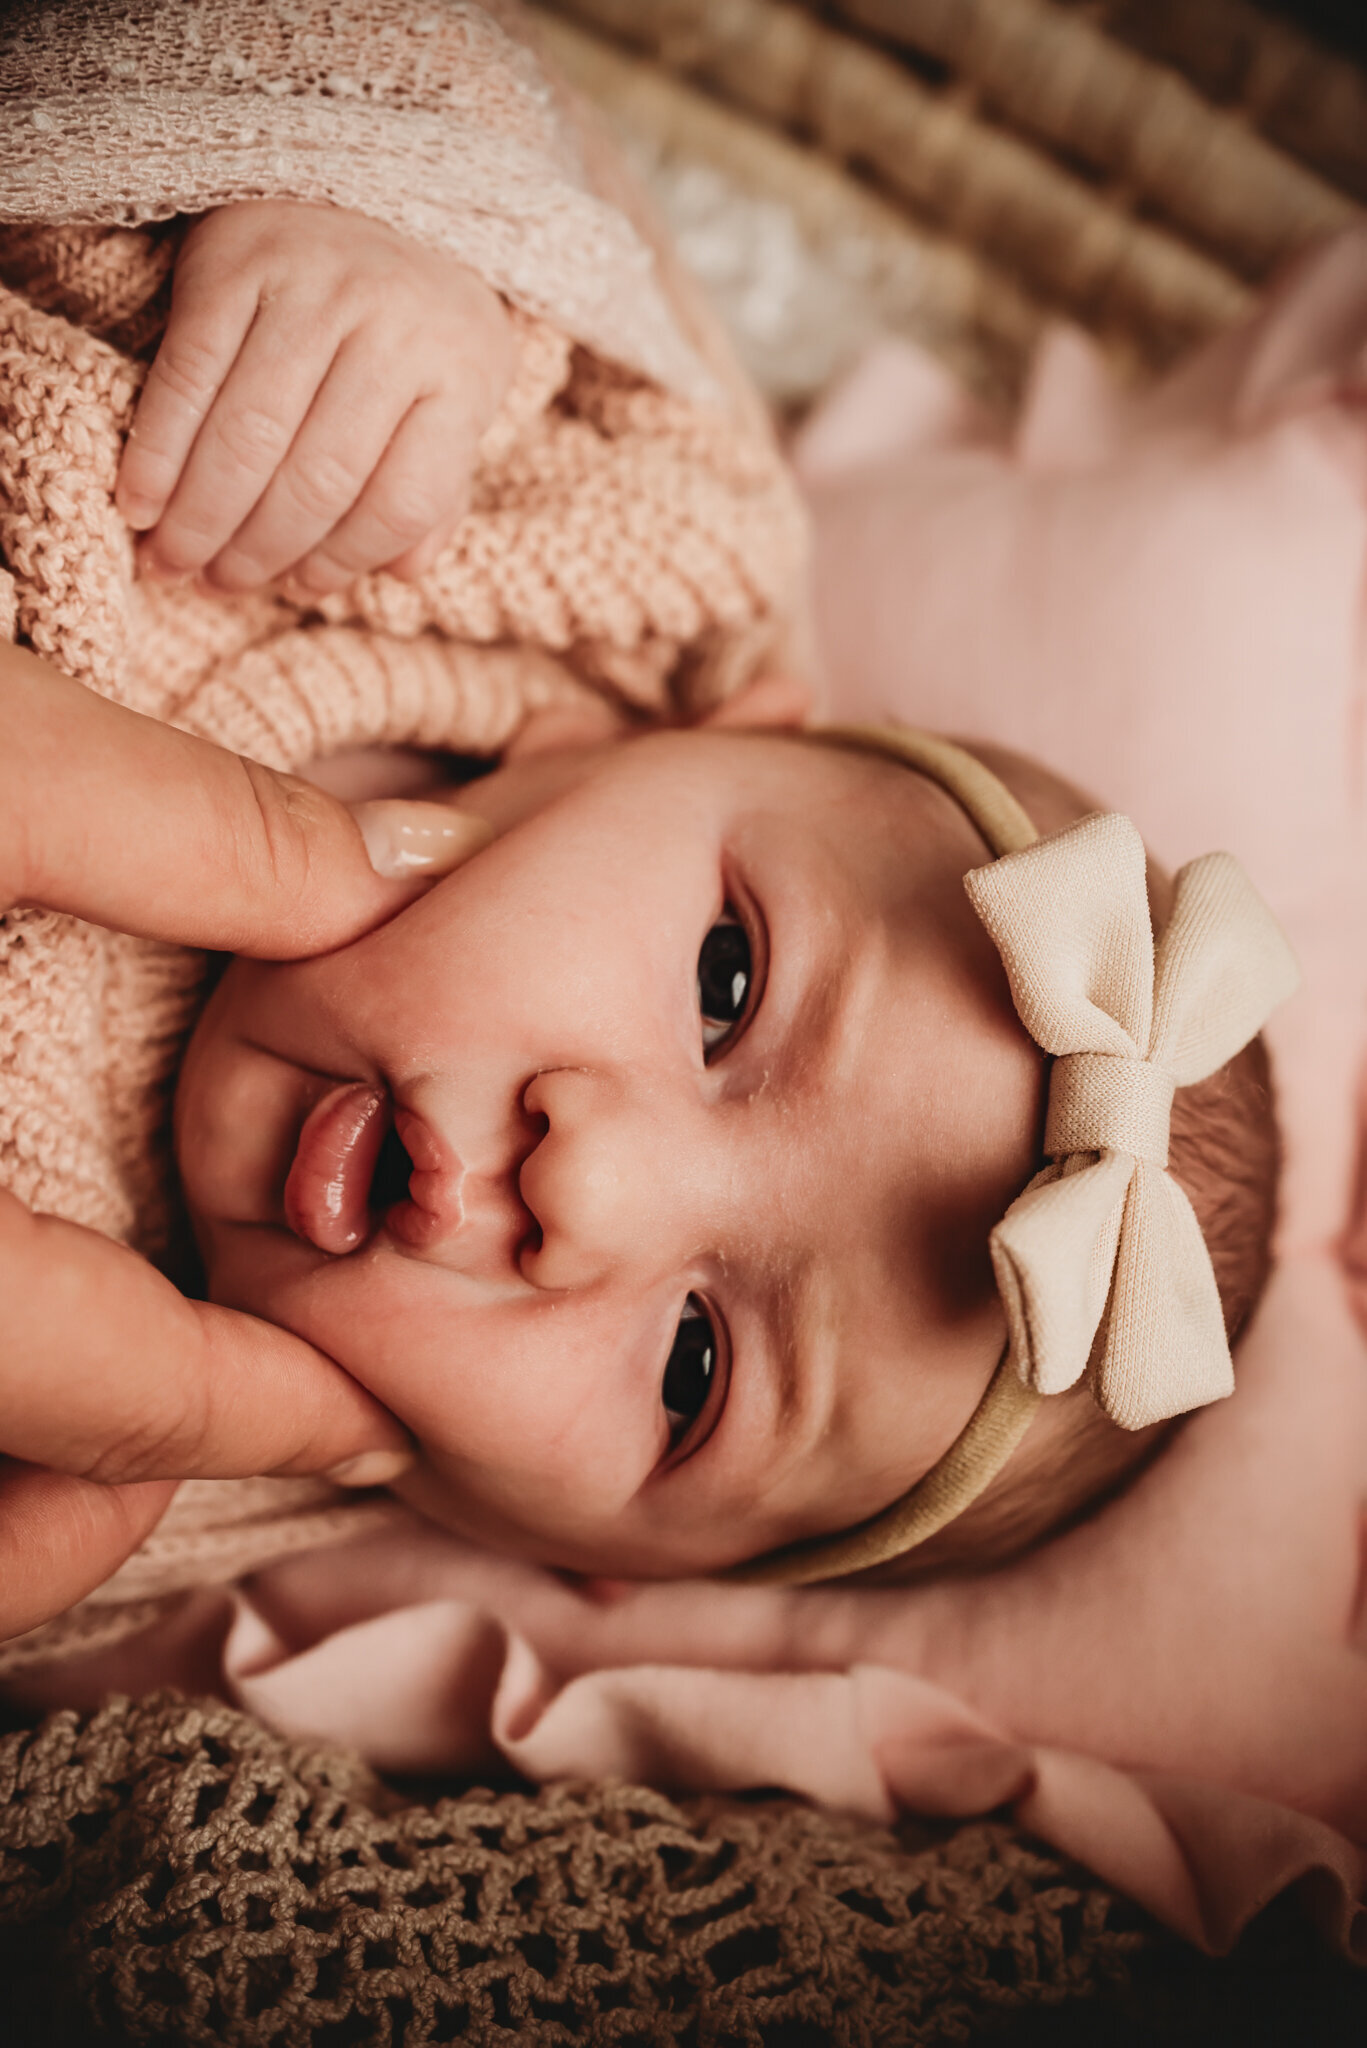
(961, 171)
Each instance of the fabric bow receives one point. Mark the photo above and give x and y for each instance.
(1101, 1257)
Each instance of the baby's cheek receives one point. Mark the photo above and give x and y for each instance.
(482, 1383)
(523, 1427)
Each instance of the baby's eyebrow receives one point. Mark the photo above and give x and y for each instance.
(834, 980)
(803, 1342)
(833, 984)
(841, 985)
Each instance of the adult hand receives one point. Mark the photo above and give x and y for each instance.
(113, 1385)
(316, 402)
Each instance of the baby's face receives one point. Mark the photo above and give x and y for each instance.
(712, 1089)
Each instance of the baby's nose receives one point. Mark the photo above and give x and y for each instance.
(613, 1183)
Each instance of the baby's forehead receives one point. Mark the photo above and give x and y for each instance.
(832, 832)
(901, 831)
(806, 773)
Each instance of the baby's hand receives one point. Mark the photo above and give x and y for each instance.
(316, 402)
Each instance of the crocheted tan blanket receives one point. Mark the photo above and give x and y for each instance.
(187, 1877)
(633, 532)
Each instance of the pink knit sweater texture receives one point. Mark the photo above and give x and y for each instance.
(632, 532)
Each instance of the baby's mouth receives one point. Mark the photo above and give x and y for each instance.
(393, 1171)
(360, 1160)
(348, 1162)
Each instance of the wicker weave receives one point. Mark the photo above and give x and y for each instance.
(1077, 173)
(1059, 77)
(1290, 89)
(970, 311)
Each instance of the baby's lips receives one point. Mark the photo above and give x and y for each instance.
(327, 1193)
(435, 1209)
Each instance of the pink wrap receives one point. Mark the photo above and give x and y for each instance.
(1164, 598)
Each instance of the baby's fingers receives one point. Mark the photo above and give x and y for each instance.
(240, 441)
(209, 320)
(418, 493)
(338, 448)
(416, 561)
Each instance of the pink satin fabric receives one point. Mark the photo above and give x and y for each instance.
(1164, 598)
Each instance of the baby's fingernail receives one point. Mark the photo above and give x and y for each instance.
(371, 1468)
(139, 512)
(426, 554)
(151, 565)
(405, 838)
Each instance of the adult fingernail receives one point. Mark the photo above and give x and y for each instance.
(406, 839)
(371, 1468)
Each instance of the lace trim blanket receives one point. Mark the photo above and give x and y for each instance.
(438, 120)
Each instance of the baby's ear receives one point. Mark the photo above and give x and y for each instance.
(765, 700)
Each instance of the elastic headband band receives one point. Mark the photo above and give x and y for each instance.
(1007, 1408)
(1100, 1262)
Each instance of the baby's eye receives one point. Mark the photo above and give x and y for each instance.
(691, 1366)
(724, 974)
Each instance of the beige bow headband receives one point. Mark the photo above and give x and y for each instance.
(1100, 1262)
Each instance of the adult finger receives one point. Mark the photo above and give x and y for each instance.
(421, 483)
(243, 438)
(131, 824)
(62, 1537)
(337, 448)
(209, 320)
(108, 1373)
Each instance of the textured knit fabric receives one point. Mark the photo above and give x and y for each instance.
(439, 120)
(625, 539)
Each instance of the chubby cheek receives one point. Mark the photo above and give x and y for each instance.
(509, 1398)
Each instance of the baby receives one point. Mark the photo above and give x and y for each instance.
(547, 1163)
(673, 1170)
(646, 1167)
